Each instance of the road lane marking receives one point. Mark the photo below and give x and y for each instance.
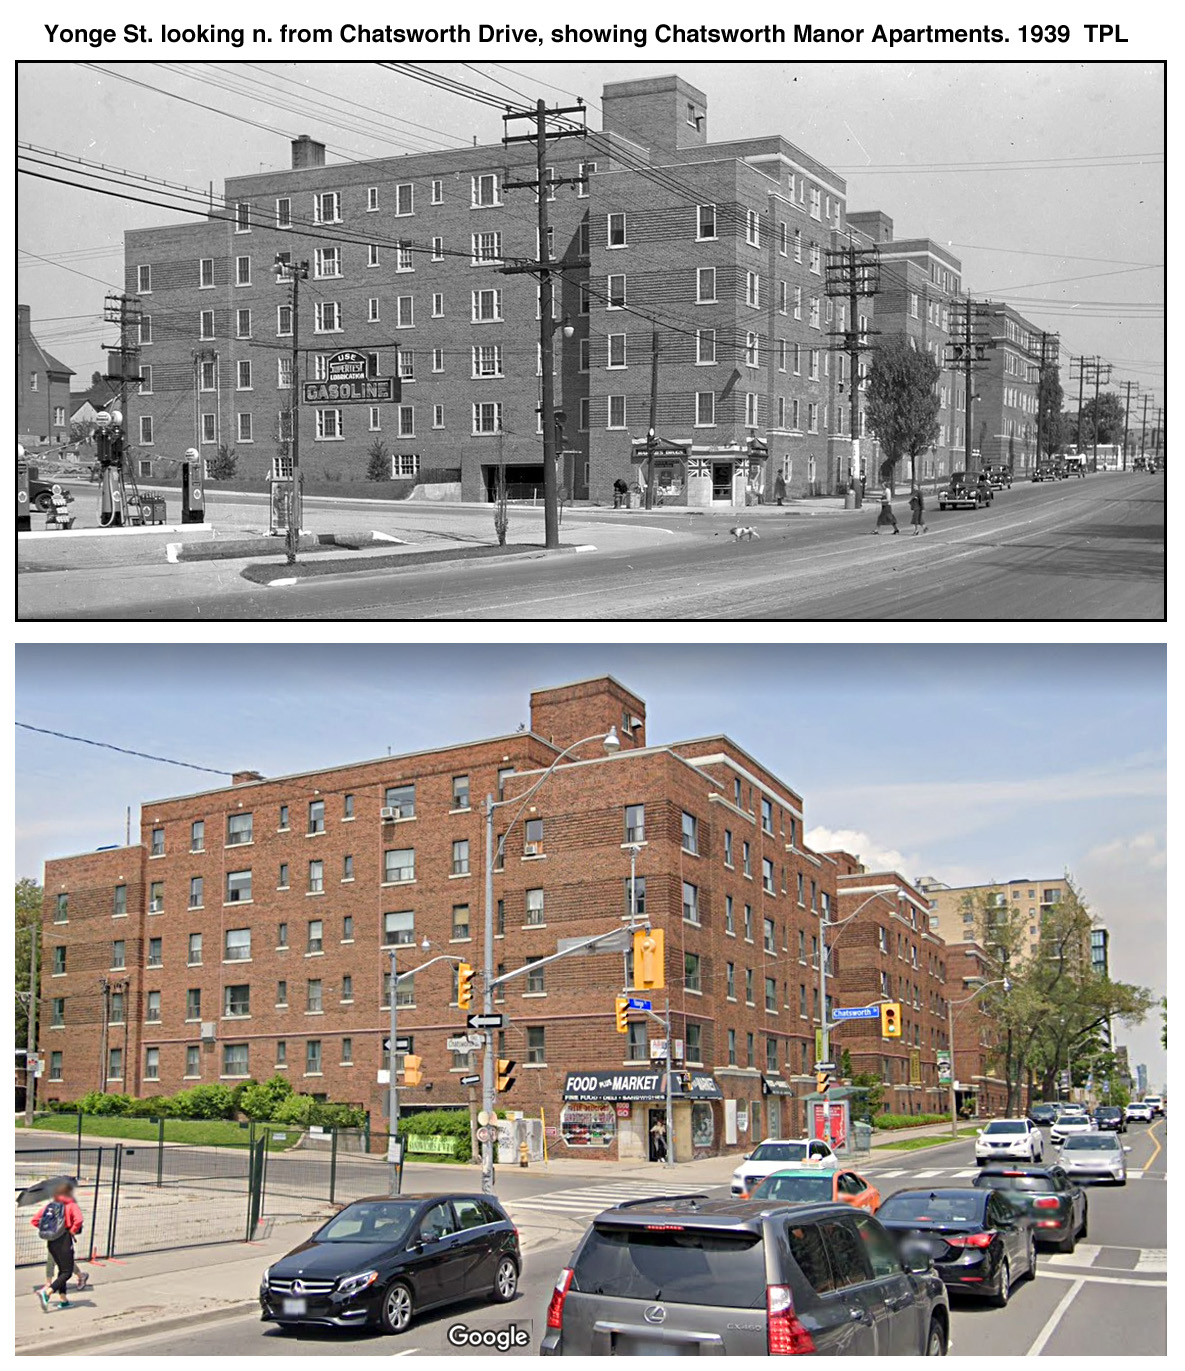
(1153, 1259)
(1100, 1280)
(1085, 1254)
(1055, 1318)
(962, 1175)
(924, 1175)
(1156, 1140)
(884, 1175)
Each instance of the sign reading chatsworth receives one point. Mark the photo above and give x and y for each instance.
(347, 382)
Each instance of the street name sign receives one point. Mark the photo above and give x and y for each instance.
(824, 1066)
(638, 1004)
(871, 1011)
(464, 1044)
(401, 1044)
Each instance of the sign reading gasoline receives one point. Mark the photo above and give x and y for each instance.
(347, 382)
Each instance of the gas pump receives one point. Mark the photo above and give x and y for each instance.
(109, 450)
(24, 510)
(193, 493)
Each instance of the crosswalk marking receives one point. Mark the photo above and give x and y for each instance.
(925, 1175)
(1152, 1259)
(591, 1199)
(962, 1175)
(886, 1174)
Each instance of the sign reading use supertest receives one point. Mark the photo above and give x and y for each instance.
(613, 1085)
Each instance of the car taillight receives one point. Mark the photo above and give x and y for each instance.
(1046, 1202)
(970, 1239)
(787, 1336)
(555, 1309)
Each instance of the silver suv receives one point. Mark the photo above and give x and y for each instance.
(691, 1276)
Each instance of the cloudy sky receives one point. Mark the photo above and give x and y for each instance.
(1045, 179)
(967, 763)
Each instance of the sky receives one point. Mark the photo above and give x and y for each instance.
(1077, 247)
(1055, 761)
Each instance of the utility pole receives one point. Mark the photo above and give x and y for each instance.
(1047, 355)
(123, 364)
(31, 1033)
(1099, 365)
(651, 436)
(542, 268)
(968, 353)
(1143, 428)
(1081, 363)
(1158, 432)
(1127, 400)
(393, 1087)
(105, 988)
(853, 273)
(294, 273)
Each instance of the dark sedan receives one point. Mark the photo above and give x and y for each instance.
(978, 1241)
(1043, 1114)
(1056, 1206)
(381, 1261)
(1110, 1117)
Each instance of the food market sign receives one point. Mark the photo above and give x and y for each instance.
(346, 382)
(613, 1085)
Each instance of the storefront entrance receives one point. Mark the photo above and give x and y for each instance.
(722, 482)
(657, 1134)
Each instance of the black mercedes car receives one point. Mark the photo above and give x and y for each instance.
(382, 1260)
(980, 1243)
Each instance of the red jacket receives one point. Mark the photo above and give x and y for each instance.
(73, 1216)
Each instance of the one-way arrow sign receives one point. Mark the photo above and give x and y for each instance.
(486, 1020)
(401, 1044)
(470, 1080)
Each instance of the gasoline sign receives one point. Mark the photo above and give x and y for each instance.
(347, 380)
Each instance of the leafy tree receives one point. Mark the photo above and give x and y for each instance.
(874, 1091)
(260, 1100)
(1164, 1023)
(902, 402)
(1106, 418)
(378, 461)
(1049, 406)
(28, 925)
(845, 1065)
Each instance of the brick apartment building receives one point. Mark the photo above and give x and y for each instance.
(976, 1062)
(43, 390)
(247, 932)
(889, 952)
(721, 246)
(957, 912)
(1005, 414)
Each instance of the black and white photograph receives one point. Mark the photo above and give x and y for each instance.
(540, 340)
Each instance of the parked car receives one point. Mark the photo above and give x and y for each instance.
(999, 477)
(775, 1153)
(1009, 1139)
(1075, 466)
(1054, 1202)
(1067, 1124)
(979, 1241)
(1110, 1117)
(380, 1261)
(1095, 1156)
(1043, 1114)
(964, 489)
(41, 494)
(1139, 1111)
(1155, 1103)
(690, 1276)
(810, 1185)
(1044, 471)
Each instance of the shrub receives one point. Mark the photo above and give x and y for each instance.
(203, 1102)
(99, 1103)
(260, 1100)
(378, 461)
(907, 1120)
(153, 1107)
(223, 466)
(436, 1123)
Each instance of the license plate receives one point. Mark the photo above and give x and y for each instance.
(294, 1306)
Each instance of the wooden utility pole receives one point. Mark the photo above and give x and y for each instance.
(852, 274)
(1127, 400)
(651, 432)
(1144, 428)
(542, 185)
(968, 353)
(295, 273)
(1047, 355)
(1099, 366)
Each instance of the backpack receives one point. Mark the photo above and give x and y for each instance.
(52, 1223)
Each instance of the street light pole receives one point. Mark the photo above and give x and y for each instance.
(950, 1035)
(489, 1101)
(669, 1151)
(393, 1091)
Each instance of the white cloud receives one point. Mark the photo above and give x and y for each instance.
(861, 845)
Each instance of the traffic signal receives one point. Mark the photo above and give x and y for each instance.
(648, 960)
(621, 1007)
(505, 1067)
(890, 1020)
(412, 1070)
(464, 985)
(822, 1081)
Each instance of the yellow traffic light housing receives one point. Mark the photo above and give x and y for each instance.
(412, 1070)
(621, 1007)
(822, 1081)
(890, 1020)
(648, 959)
(505, 1067)
(464, 985)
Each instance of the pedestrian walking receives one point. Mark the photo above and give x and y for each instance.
(658, 1141)
(886, 518)
(779, 488)
(917, 505)
(57, 1223)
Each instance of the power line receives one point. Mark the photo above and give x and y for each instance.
(61, 265)
(127, 751)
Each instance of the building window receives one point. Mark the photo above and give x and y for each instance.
(244, 428)
(284, 321)
(144, 280)
(536, 1046)
(705, 346)
(485, 191)
(316, 816)
(145, 329)
(705, 409)
(116, 1015)
(637, 1048)
(437, 192)
(193, 1005)
(237, 947)
(487, 360)
(691, 972)
(487, 417)
(156, 897)
(194, 956)
(115, 1064)
(732, 1047)
(55, 1066)
(155, 957)
(705, 286)
(616, 299)
(690, 902)
(706, 222)
(399, 929)
(616, 417)
(329, 425)
(753, 228)
(460, 792)
(238, 887)
(615, 231)
(635, 823)
(206, 324)
(313, 1004)
(312, 1057)
(461, 857)
(617, 350)
(753, 289)
(535, 916)
(767, 875)
(118, 955)
(690, 833)
(638, 885)
(771, 994)
(487, 306)
(316, 878)
(62, 909)
(242, 324)
(242, 271)
(236, 1002)
(586, 170)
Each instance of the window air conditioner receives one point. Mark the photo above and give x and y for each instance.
(207, 1032)
(530, 849)
(390, 812)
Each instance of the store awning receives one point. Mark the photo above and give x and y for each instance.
(769, 1087)
(700, 1086)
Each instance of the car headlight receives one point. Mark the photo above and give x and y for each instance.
(351, 1285)
(263, 1281)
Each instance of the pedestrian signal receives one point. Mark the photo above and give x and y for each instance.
(890, 1020)
(648, 959)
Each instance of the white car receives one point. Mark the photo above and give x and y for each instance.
(1138, 1109)
(775, 1153)
(1066, 1125)
(1095, 1156)
(1155, 1103)
(1009, 1140)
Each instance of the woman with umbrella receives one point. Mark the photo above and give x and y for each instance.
(57, 1221)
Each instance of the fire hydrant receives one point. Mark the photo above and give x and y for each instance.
(523, 1154)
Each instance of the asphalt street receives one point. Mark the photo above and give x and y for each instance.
(1109, 1297)
(1079, 549)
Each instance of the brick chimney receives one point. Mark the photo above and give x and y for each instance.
(307, 152)
(567, 713)
(246, 777)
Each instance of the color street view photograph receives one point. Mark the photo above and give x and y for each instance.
(756, 1000)
(576, 340)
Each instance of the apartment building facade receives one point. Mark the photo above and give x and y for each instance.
(1005, 412)
(976, 1050)
(249, 932)
(888, 952)
(958, 912)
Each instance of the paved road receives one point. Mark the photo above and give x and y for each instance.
(1108, 1297)
(1090, 549)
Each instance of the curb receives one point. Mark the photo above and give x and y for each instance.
(398, 562)
(84, 1340)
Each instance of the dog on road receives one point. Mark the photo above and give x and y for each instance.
(743, 531)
